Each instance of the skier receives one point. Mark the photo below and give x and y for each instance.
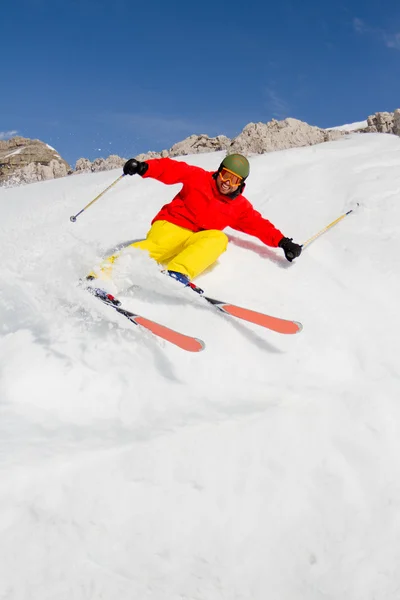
(186, 235)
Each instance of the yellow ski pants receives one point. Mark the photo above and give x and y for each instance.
(179, 249)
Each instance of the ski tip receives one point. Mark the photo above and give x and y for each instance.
(191, 344)
(299, 326)
(287, 327)
(200, 345)
(186, 342)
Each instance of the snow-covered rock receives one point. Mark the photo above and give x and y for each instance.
(396, 122)
(279, 135)
(381, 122)
(23, 160)
(197, 144)
(99, 164)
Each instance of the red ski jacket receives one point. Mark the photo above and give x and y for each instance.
(199, 205)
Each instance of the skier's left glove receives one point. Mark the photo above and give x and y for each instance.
(290, 249)
(133, 166)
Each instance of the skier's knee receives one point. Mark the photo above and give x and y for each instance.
(220, 239)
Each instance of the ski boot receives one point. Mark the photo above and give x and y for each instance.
(185, 280)
(104, 296)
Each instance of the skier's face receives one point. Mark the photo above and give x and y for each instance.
(228, 182)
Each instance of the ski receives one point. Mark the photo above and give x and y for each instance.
(186, 342)
(246, 314)
(277, 324)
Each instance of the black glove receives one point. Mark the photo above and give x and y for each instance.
(290, 249)
(133, 166)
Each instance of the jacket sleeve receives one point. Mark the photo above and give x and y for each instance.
(253, 223)
(170, 171)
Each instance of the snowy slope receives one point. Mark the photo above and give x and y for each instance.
(266, 466)
(351, 126)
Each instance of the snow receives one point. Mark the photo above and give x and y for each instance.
(55, 151)
(13, 153)
(267, 466)
(351, 126)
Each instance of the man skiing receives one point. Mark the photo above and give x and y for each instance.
(186, 235)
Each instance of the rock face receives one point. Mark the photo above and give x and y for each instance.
(197, 144)
(396, 122)
(25, 161)
(151, 154)
(99, 164)
(194, 144)
(256, 138)
(381, 122)
(259, 138)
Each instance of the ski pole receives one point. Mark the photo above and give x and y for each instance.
(74, 217)
(314, 237)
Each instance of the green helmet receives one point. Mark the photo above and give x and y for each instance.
(237, 163)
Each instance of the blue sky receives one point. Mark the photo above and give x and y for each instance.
(95, 77)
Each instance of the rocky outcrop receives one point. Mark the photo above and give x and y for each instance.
(259, 138)
(84, 165)
(99, 164)
(396, 122)
(383, 122)
(256, 138)
(380, 122)
(197, 144)
(194, 144)
(25, 161)
(151, 154)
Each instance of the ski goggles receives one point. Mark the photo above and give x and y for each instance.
(227, 175)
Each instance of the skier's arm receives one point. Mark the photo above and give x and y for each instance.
(250, 221)
(165, 170)
(170, 171)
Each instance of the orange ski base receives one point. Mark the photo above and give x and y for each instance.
(274, 323)
(190, 344)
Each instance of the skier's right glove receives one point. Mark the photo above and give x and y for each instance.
(290, 249)
(133, 166)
